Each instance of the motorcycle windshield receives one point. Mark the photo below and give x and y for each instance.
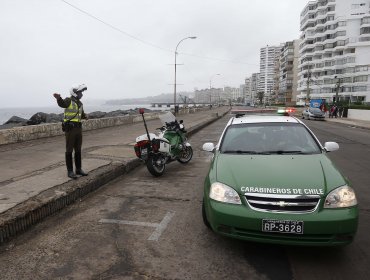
(167, 118)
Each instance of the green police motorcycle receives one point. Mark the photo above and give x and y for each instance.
(168, 144)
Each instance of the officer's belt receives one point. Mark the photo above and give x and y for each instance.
(74, 124)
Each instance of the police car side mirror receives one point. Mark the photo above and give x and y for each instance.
(208, 147)
(331, 146)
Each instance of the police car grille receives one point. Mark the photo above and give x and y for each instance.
(282, 203)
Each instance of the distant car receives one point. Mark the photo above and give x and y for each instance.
(270, 180)
(313, 113)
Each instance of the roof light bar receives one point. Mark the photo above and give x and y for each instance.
(243, 112)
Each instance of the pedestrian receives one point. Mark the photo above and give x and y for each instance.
(335, 111)
(340, 111)
(72, 126)
(331, 111)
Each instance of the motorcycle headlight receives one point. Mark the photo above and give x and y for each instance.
(221, 192)
(341, 197)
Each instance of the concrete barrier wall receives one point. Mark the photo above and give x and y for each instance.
(32, 132)
(356, 114)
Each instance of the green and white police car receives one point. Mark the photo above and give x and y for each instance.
(270, 180)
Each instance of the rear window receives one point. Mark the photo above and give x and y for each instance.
(315, 110)
(269, 138)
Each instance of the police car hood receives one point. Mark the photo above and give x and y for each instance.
(280, 174)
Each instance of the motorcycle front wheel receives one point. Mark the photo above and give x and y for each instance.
(155, 165)
(185, 155)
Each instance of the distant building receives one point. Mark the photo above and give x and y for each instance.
(248, 90)
(216, 95)
(202, 96)
(232, 94)
(288, 73)
(255, 81)
(335, 50)
(269, 59)
(242, 90)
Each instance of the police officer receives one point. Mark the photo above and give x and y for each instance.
(72, 126)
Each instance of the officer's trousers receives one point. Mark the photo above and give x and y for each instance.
(74, 140)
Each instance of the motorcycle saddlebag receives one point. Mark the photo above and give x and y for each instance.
(164, 146)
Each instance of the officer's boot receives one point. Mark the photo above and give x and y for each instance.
(79, 171)
(69, 163)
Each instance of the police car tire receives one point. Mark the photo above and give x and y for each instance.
(204, 216)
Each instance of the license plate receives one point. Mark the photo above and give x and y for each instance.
(282, 226)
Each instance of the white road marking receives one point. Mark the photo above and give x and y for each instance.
(133, 223)
(160, 228)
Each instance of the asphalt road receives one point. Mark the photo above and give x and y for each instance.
(140, 227)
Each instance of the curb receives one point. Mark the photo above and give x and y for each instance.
(21, 217)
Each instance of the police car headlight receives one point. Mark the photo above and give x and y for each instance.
(221, 192)
(341, 197)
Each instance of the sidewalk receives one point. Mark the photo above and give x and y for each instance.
(33, 176)
(351, 122)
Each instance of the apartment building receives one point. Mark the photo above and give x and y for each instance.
(288, 73)
(269, 61)
(335, 50)
(255, 81)
(248, 90)
(242, 92)
(231, 93)
(208, 96)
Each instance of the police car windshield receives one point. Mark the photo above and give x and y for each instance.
(269, 138)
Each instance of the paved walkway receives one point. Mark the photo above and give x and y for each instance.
(33, 173)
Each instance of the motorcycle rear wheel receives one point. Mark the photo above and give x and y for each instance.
(185, 155)
(155, 165)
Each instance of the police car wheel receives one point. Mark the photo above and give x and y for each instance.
(204, 216)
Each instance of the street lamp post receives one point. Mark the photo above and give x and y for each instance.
(174, 93)
(210, 87)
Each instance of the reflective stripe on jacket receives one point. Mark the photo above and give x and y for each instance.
(73, 113)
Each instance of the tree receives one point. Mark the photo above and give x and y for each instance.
(260, 96)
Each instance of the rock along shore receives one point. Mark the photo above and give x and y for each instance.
(42, 118)
(43, 130)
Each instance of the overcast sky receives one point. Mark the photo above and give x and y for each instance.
(125, 48)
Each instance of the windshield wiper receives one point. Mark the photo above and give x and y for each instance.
(240, 152)
(281, 152)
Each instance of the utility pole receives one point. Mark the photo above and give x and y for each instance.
(308, 84)
(337, 89)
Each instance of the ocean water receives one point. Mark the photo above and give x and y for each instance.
(27, 112)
